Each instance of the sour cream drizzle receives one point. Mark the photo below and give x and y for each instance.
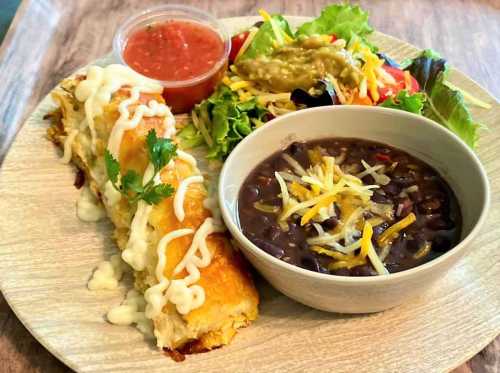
(135, 253)
(182, 292)
(100, 83)
(124, 122)
(180, 195)
(154, 296)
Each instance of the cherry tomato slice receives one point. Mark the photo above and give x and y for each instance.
(334, 38)
(237, 42)
(399, 77)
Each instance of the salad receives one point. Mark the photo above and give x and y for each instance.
(274, 70)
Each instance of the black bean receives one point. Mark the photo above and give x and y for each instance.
(363, 270)
(441, 244)
(403, 180)
(252, 193)
(391, 189)
(297, 147)
(330, 223)
(272, 232)
(439, 224)
(429, 205)
(270, 248)
(342, 272)
(380, 198)
(310, 262)
(377, 230)
(407, 206)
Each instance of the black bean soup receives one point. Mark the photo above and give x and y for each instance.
(354, 208)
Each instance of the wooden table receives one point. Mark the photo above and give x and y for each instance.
(49, 39)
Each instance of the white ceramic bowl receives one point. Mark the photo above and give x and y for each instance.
(416, 135)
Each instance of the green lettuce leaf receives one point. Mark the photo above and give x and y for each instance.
(226, 121)
(443, 104)
(448, 108)
(404, 101)
(265, 39)
(343, 20)
(190, 137)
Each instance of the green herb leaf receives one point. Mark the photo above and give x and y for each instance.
(160, 150)
(112, 167)
(132, 182)
(157, 193)
(404, 101)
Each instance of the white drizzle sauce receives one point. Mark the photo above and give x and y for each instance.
(100, 83)
(180, 195)
(182, 292)
(107, 274)
(88, 208)
(154, 296)
(131, 311)
(135, 253)
(186, 157)
(124, 122)
(111, 195)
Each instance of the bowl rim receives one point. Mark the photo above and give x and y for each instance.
(391, 277)
(193, 15)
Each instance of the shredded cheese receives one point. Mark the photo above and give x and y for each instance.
(396, 228)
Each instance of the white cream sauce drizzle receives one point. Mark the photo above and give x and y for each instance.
(131, 311)
(88, 207)
(135, 253)
(107, 274)
(186, 157)
(154, 296)
(100, 83)
(180, 195)
(124, 123)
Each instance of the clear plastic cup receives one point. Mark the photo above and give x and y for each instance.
(180, 95)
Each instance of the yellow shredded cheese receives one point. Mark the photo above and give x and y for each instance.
(396, 228)
(324, 202)
(247, 42)
(366, 239)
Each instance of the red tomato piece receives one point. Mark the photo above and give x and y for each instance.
(383, 157)
(399, 77)
(333, 38)
(237, 42)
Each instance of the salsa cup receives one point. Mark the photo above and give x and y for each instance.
(418, 136)
(180, 95)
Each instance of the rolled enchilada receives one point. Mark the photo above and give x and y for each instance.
(192, 289)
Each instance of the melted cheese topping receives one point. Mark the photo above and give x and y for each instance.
(131, 311)
(88, 207)
(124, 122)
(107, 274)
(154, 296)
(180, 195)
(100, 83)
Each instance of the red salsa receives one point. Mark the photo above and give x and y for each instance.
(173, 50)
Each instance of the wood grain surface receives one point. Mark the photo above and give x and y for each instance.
(51, 38)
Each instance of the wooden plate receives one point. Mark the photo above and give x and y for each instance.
(47, 255)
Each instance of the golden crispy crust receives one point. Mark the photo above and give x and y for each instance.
(231, 298)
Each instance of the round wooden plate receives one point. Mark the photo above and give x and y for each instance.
(47, 255)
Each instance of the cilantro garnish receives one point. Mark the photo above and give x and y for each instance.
(160, 152)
